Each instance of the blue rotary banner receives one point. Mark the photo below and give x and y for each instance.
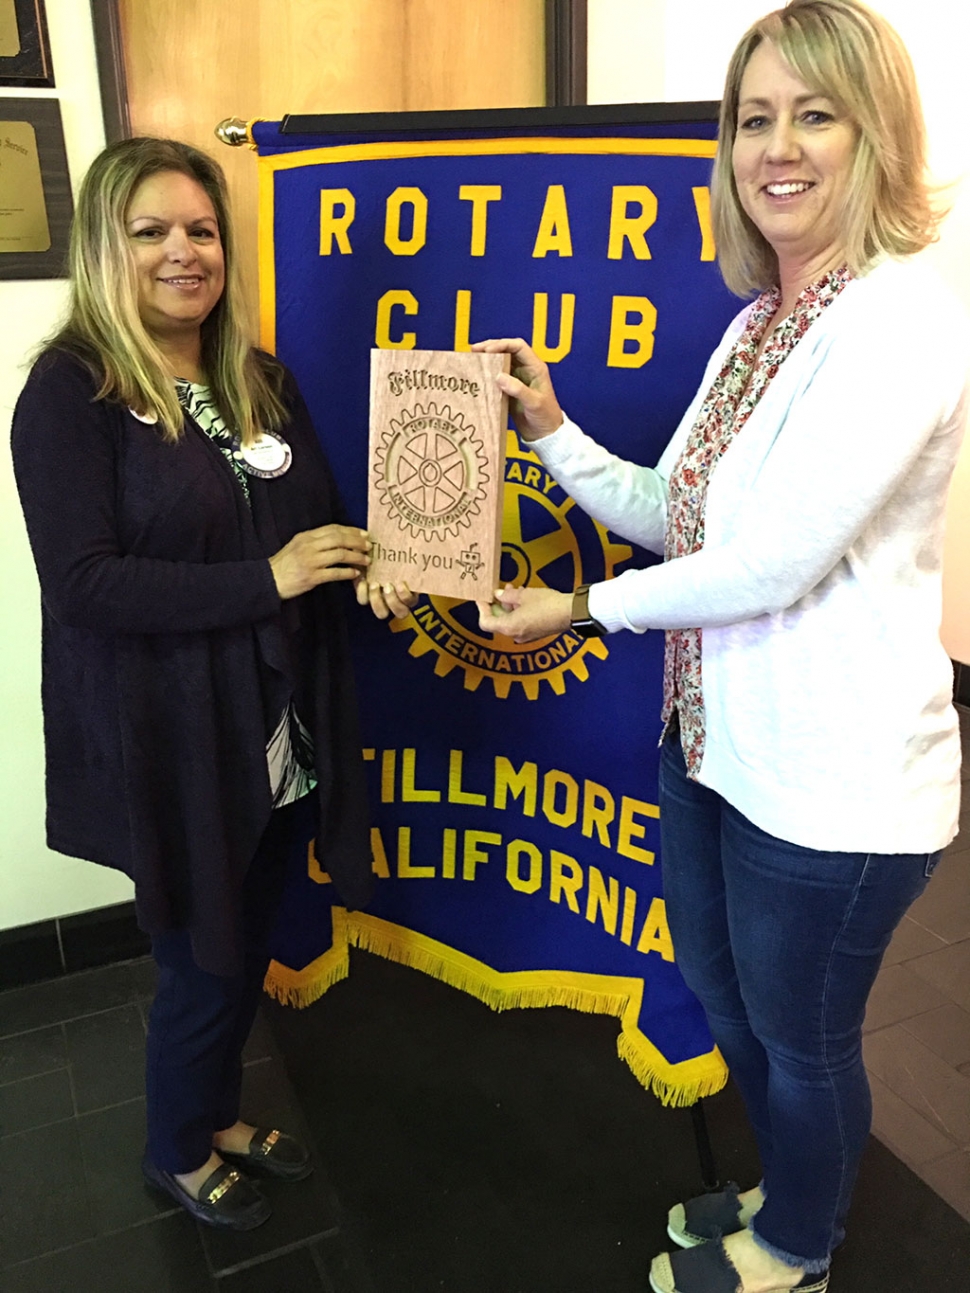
(515, 825)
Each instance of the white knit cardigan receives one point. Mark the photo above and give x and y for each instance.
(827, 693)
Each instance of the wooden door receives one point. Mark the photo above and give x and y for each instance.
(189, 66)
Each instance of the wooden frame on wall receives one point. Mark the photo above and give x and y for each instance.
(565, 53)
(36, 161)
(111, 69)
(25, 54)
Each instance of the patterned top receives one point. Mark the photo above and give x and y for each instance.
(289, 751)
(201, 407)
(737, 388)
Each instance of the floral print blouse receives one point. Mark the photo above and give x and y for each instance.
(737, 388)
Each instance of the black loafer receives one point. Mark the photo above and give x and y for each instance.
(226, 1198)
(274, 1153)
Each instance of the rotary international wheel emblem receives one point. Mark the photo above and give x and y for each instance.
(540, 547)
(430, 470)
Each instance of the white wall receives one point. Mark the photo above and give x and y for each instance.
(671, 51)
(34, 882)
(639, 51)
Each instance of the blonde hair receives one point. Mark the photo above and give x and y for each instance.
(104, 327)
(845, 51)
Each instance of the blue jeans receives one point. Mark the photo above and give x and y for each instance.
(782, 944)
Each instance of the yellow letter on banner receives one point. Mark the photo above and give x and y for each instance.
(631, 228)
(314, 870)
(382, 333)
(554, 232)
(479, 195)
(409, 792)
(597, 899)
(379, 865)
(472, 855)
(566, 815)
(456, 795)
(333, 225)
(405, 871)
(540, 326)
(631, 829)
(702, 202)
(512, 855)
(561, 883)
(392, 222)
(449, 844)
(599, 809)
(388, 766)
(519, 783)
(623, 330)
(655, 935)
(463, 319)
(629, 914)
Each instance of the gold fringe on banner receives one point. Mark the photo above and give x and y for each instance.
(602, 994)
(301, 988)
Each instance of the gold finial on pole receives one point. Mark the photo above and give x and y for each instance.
(235, 132)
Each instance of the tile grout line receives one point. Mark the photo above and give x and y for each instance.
(104, 1108)
(70, 1019)
(323, 1274)
(59, 1068)
(70, 1069)
(60, 943)
(250, 1262)
(92, 1239)
(28, 1131)
(73, 1117)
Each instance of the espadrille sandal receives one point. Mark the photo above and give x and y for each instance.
(708, 1269)
(707, 1217)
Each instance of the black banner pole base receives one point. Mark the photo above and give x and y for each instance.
(705, 1154)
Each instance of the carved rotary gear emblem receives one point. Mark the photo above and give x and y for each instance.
(430, 470)
(540, 548)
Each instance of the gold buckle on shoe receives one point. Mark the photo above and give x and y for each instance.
(225, 1184)
(270, 1141)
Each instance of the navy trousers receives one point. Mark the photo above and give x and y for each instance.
(782, 945)
(199, 1022)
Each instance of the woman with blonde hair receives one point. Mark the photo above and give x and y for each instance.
(198, 699)
(810, 763)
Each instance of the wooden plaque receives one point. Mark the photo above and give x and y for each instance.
(35, 190)
(25, 57)
(437, 470)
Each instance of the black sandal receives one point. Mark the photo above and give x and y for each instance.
(225, 1199)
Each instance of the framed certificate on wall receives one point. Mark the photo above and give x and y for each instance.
(25, 57)
(35, 190)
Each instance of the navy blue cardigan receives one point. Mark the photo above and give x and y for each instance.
(167, 652)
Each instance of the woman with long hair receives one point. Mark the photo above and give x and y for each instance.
(198, 700)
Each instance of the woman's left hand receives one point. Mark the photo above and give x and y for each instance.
(525, 614)
(385, 599)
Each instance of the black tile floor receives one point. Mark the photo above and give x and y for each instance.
(74, 1213)
(464, 1151)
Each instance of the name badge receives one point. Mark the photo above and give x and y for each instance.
(268, 456)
